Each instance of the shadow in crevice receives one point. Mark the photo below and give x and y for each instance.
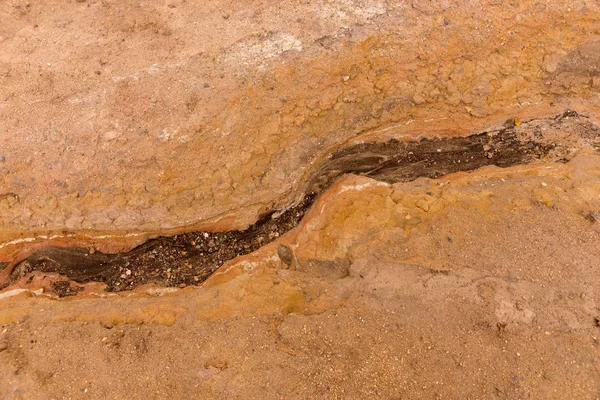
(190, 258)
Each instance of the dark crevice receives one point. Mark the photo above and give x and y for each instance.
(190, 258)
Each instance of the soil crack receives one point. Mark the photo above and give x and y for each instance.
(190, 258)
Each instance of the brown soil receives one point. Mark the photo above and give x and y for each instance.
(489, 290)
(180, 260)
(160, 117)
(413, 273)
(189, 259)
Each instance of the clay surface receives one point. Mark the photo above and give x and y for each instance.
(120, 121)
(476, 285)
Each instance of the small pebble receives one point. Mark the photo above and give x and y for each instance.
(2, 159)
(285, 254)
(346, 78)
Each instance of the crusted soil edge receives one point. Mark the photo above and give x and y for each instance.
(479, 284)
(189, 259)
(18, 247)
(449, 69)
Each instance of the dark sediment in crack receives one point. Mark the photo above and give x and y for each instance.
(190, 258)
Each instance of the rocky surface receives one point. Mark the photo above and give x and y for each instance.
(476, 285)
(124, 119)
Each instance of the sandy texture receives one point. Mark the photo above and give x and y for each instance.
(124, 118)
(478, 285)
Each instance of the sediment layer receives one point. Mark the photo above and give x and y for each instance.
(190, 258)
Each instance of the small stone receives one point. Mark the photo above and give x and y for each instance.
(550, 64)
(418, 99)
(206, 85)
(128, 272)
(211, 243)
(285, 255)
(509, 123)
(544, 184)
(3, 346)
(592, 217)
(2, 159)
(346, 78)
